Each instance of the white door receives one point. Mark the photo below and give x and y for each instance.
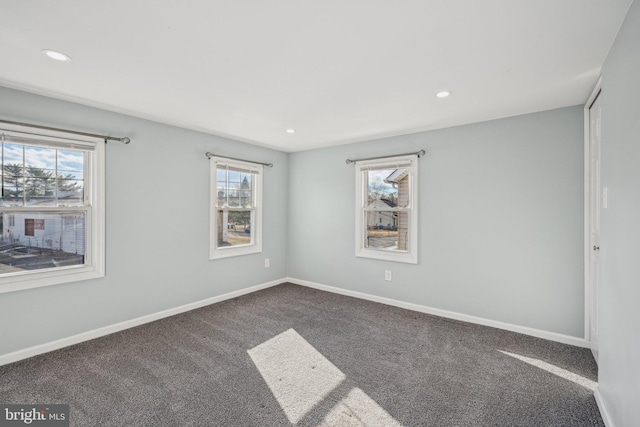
(595, 204)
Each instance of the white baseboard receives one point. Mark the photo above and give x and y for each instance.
(603, 408)
(106, 330)
(551, 336)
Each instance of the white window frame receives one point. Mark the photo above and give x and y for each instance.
(216, 252)
(411, 255)
(93, 208)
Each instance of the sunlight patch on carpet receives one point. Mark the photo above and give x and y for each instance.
(297, 374)
(358, 409)
(578, 379)
(300, 378)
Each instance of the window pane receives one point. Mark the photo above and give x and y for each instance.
(221, 178)
(36, 240)
(234, 188)
(235, 228)
(387, 188)
(39, 158)
(13, 154)
(12, 175)
(222, 197)
(245, 181)
(12, 190)
(70, 192)
(41, 191)
(71, 161)
(386, 230)
(37, 176)
(245, 199)
(234, 176)
(403, 231)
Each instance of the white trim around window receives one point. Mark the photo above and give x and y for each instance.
(41, 212)
(386, 214)
(235, 215)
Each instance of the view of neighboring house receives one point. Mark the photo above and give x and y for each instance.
(399, 179)
(44, 230)
(382, 219)
(233, 227)
(388, 229)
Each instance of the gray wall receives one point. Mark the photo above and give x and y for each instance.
(157, 226)
(501, 221)
(619, 326)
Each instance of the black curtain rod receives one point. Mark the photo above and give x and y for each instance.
(210, 155)
(419, 154)
(106, 138)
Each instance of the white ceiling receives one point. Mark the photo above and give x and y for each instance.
(337, 71)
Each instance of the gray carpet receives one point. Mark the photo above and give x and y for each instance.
(290, 355)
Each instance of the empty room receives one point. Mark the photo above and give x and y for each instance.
(298, 213)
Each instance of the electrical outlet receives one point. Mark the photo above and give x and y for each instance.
(387, 275)
(266, 263)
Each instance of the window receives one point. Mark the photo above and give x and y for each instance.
(387, 209)
(31, 225)
(51, 208)
(236, 211)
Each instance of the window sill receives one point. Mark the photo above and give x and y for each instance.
(404, 257)
(233, 252)
(25, 281)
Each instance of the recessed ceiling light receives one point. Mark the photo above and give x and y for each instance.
(443, 94)
(291, 131)
(54, 54)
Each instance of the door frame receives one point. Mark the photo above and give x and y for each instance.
(588, 286)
